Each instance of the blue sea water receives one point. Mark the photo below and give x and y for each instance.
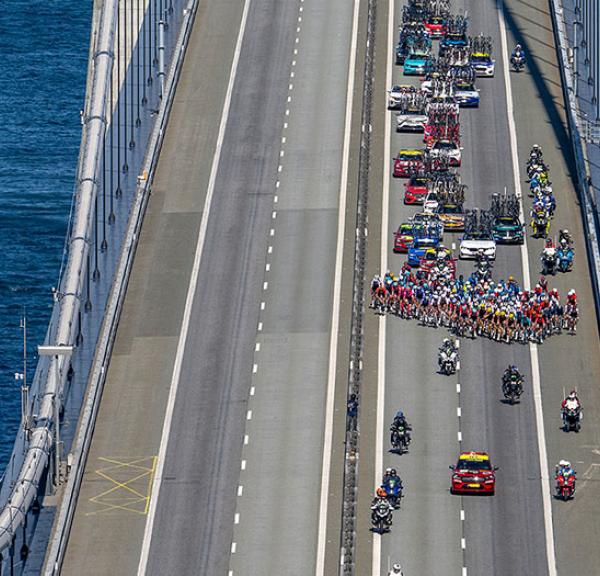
(43, 63)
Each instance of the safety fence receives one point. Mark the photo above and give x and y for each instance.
(351, 456)
(128, 97)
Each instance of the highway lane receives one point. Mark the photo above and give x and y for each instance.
(202, 462)
(280, 484)
(567, 361)
(494, 529)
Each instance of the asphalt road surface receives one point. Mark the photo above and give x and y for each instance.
(436, 532)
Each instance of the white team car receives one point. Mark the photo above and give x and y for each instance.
(411, 121)
(431, 202)
(472, 244)
(446, 148)
(484, 65)
(466, 95)
(396, 96)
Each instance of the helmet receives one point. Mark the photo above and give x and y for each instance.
(518, 47)
(535, 146)
(397, 568)
(446, 341)
(393, 471)
(388, 470)
(572, 292)
(564, 464)
(381, 492)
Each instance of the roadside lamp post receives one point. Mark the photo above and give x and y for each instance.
(56, 351)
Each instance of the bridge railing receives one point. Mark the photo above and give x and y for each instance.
(128, 94)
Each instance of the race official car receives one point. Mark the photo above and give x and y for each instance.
(415, 64)
(435, 26)
(447, 148)
(466, 95)
(483, 64)
(452, 217)
(508, 230)
(471, 244)
(415, 189)
(404, 236)
(411, 121)
(473, 474)
(406, 161)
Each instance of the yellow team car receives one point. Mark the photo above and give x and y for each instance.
(452, 217)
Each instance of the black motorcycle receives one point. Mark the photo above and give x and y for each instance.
(512, 386)
(381, 517)
(572, 419)
(400, 439)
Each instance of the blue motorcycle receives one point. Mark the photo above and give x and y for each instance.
(565, 259)
(393, 489)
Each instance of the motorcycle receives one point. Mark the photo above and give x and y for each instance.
(447, 361)
(565, 486)
(565, 259)
(517, 62)
(512, 386)
(549, 261)
(399, 439)
(381, 517)
(540, 225)
(394, 492)
(572, 418)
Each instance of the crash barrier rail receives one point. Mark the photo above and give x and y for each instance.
(52, 374)
(63, 524)
(351, 456)
(584, 190)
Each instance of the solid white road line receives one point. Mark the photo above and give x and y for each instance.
(387, 143)
(335, 314)
(533, 350)
(166, 431)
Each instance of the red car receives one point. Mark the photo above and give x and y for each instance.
(416, 190)
(473, 474)
(435, 26)
(404, 237)
(406, 162)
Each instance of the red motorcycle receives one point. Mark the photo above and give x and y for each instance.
(565, 486)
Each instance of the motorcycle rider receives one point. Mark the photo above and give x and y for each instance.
(511, 374)
(564, 469)
(399, 423)
(571, 402)
(381, 500)
(548, 256)
(518, 54)
(536, 150)
(447, 351)
(565, 239)
(391, 476)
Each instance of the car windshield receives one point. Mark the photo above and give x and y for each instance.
(464, 86)
(418, 181)
(445, 145)
(409, 156)
(482, 236)
(505, 221)
(452, 209)
(474, 465)
(480, 59)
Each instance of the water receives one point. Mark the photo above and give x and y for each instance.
(43, 64)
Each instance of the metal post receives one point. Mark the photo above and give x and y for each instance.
(161, 56)
(575, 48)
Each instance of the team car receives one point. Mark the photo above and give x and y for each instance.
(484, 64)
(426, 238)
(416, 63)
(508, 230)
(436, 256)
(404, 236)
(395, 96)
(473, 474)
(406, 161)
(447, 148)
(466, 94)
(471, 244)
(411, 121)
(431, 202)
(435, 26)
(451, 40)
(452, 217)
(415, 189)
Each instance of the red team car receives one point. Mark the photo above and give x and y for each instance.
(473, 474)
(406, 162)
(416, 189)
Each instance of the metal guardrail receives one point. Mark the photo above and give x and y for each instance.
(123, 53)
(58, 545)
(351, 456)
(584, 190)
